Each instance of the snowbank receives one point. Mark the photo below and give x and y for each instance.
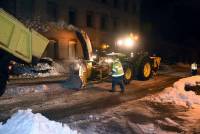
(177, 93)
(25, 122)
(39, 70)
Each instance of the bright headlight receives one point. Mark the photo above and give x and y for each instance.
(129, 42)
(108, 60)
(119, 42)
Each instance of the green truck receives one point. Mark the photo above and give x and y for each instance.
(17, 43)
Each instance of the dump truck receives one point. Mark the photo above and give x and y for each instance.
(17, 43)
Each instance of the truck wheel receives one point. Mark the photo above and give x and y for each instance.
(145, 69)
(3, 80)
(4, 61)
(128, 73)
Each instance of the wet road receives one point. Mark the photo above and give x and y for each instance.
(95, 110)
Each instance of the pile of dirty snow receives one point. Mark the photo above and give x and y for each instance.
(39, 70)
(177, 93)
(25, 122)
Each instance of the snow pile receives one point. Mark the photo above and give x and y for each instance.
(47, 69)
(177, 93)
(37, 24)
(39, 70)
(25, 122)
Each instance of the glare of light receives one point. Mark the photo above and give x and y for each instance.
(94, 56)
(135, 37)
(119, 42)
(10, 67)
(129, 42)
(132, 54)
(77, 66)
(109, 60)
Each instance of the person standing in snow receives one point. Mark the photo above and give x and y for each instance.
(194, 68)
(117, 75)
(83, 73)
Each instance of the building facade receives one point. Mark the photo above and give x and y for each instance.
(103, 20)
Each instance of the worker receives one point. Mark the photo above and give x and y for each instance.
(117, 75)
(83, 73)
(156, 63)
(194, 68)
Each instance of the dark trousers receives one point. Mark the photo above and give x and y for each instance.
(118, 81)
(194, 72)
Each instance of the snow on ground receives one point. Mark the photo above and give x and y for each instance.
(180, 64)
(20, 90)
(26, 122)
(151, 128)
(177, 93)
(39, 88)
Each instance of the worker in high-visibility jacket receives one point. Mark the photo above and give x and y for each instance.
(83, 73)
(117, 75)
(194, 68)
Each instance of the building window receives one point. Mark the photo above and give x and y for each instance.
(72, 17)
(104, 1)
(26, 9)
(115, 3)
(134, 8)
(9, 6)
(52, 10)
(90, 19)
(103, 23)
(115, 24)
(126, 4)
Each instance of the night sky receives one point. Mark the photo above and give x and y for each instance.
(171, 29)
(172, 20)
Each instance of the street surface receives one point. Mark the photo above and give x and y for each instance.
(95, 110)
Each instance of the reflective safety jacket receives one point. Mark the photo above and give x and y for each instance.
(117, 69)
(82, 70)
(194, 66)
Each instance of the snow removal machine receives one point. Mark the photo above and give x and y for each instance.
(17, 43)
(137, 65)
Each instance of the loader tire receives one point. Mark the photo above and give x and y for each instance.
(128, 73)
(3, 81)
(4, 61)
(145, 69)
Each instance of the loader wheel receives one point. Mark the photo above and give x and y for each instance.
(3, 81)
(128, 73)
(4, 61)
(145, 69)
